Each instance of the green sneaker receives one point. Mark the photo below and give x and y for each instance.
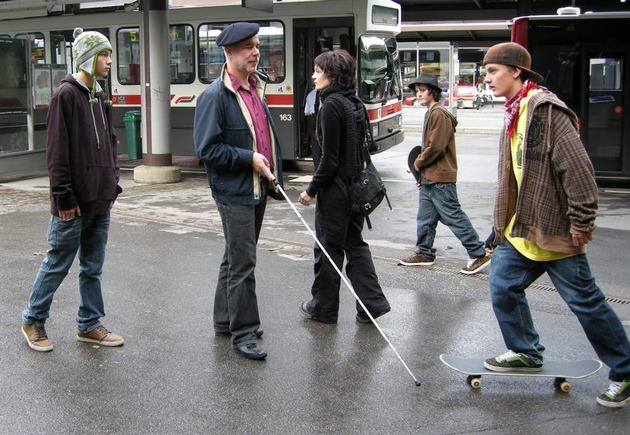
(617, 395)
(511, 361)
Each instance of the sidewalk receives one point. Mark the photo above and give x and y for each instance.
(174, 376)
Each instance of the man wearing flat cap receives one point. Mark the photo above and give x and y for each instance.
(544, 215)
(436, 169)
(236, 140)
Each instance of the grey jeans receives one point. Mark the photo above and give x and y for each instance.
(235, 301)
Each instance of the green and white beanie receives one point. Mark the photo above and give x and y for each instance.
(85, 50)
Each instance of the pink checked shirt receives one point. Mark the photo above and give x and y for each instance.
(258, 114)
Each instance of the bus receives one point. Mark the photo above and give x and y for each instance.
(290, 39)
(583, 58)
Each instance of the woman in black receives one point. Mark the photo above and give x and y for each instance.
(337, 228)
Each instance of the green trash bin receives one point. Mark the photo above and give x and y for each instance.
(134, 139)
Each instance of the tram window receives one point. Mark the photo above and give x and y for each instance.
(128, 52)
(211, 57)
(59, 54)
(38, 50)
(605, 118)
(376, 70)
(182, 59)
(272, 58)
(409, 63)
(272, 51)
(559, 64)
(605, 74)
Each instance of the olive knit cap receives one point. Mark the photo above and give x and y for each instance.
(512, 54)
(86, 48)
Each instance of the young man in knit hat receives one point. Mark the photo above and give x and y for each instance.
(238, 143)
(436, 167)
(544, 215)
(83, 171)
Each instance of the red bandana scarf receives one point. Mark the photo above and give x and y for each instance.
(513, 106)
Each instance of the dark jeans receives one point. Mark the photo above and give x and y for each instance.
(511, 273)
(235, 301)
(339, 232)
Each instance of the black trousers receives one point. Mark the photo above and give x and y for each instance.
(339, 232)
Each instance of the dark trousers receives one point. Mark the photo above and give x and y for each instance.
(339, 232)
(235, 302)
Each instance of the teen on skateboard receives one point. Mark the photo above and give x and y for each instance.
(544, 216)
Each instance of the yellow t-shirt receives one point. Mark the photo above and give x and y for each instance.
(529, 249)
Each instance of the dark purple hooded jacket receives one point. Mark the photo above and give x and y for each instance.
(81, 151)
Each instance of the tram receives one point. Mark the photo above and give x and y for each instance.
(439, 58)
(584, 59)
(289, 41)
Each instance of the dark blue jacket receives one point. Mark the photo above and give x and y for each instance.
(225, 142)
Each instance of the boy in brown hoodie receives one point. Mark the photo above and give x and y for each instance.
(437, 169)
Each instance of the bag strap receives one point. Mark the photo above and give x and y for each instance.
(365, 152)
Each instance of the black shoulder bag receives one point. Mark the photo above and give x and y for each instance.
(368, 191)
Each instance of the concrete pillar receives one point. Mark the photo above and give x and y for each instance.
(157, 157)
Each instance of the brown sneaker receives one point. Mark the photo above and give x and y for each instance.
(417, 260)
(36, 336)
(476, 264)
(101, 336)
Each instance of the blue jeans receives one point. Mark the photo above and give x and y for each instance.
(438, 202)
(511, 273)
(235, 301)
(86, 236)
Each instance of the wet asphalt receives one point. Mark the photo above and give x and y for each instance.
(174, 376)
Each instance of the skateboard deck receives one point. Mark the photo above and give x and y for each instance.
(413, 154)
(559, 370)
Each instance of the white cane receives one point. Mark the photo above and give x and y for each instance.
(275, 182)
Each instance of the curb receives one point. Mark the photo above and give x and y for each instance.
(467, 130)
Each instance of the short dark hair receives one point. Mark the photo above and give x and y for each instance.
(339, 67)
(435, 93)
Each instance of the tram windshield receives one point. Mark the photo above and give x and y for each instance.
(379, 70)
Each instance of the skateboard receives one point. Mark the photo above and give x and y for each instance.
(413, 155)
(559, 370)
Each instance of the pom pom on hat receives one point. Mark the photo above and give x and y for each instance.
(86, 47)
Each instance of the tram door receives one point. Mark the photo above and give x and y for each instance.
(15, 102)
(312, 37)
(604, 102)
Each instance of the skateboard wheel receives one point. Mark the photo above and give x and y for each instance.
(562, 385)
(474, 382)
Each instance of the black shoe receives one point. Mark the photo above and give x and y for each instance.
(308, 313)
(251, 351)
(259, 333)
(362, 316)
